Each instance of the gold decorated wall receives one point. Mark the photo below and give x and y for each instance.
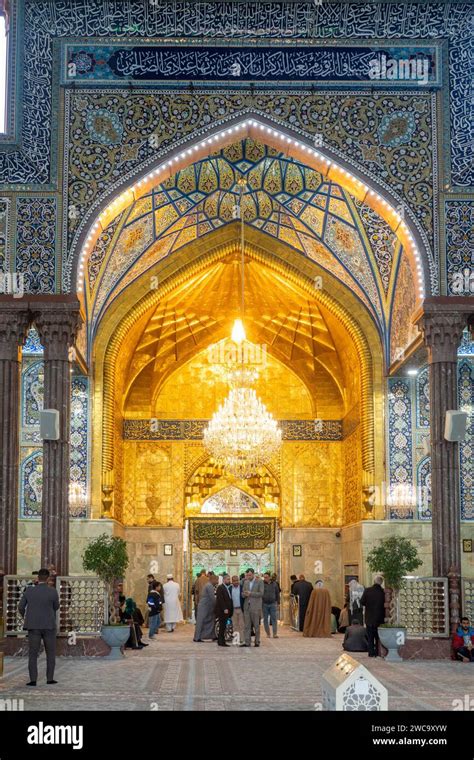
(309, 475)
(352, 477)
(196, 391)
(305, 486)
(153, 483)
(312, 484)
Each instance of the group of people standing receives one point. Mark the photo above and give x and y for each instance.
(162, 599)
(314, 607)
(240, 601)
(318, 619)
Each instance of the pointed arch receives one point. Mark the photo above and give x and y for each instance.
(296, 145)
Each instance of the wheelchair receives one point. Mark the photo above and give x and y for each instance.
(228, 633)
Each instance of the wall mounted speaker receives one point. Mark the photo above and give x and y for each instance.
(49, 424)
(455, 425)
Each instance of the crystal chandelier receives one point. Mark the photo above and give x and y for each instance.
(242, 435)
(77, 499)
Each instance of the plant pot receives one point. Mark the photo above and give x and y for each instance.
(392, 638)
(115, 636)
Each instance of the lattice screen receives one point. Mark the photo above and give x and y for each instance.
(468, 598)
(13, 588)
(423, 607)
(83, 603)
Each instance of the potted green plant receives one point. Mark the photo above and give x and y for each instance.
(106, 556)
(394, 557)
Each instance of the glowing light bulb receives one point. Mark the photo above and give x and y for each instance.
(238, 331)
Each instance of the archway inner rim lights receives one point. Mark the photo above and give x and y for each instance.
(295, 147)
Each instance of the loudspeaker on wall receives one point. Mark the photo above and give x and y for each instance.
(455, 425)
(49, 424)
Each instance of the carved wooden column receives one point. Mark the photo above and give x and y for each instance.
(14, 320)
(57, 324)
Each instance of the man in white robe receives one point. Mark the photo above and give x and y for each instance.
(172, 606)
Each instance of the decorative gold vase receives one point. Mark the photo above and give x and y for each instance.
(153, 504)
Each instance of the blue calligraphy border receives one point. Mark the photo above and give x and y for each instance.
(97, 63)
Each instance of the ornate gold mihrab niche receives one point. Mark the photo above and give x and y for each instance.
(210, 481)
(152, 369)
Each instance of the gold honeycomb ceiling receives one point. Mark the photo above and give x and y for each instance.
(200, 312)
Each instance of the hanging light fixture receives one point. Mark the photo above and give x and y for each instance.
(242, 435)
(238, 331)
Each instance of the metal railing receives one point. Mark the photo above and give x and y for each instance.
(467, 603)
(82, 604)
(423, 607)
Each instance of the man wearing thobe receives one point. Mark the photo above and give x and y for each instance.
(303, 590)
(206, 616)
(201, 582)
(238, 606)
(317, 620)
(224, 608)
(252, 591)
(40, 602)
(356, 591)
(173, 613)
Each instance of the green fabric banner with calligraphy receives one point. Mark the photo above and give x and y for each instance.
(232, 534)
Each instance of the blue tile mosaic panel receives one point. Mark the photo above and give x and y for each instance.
(79, 447)
(422, 399)
(423, 488)
(467, 345)
(31, 487)
(459, 220)
(4, 233)
(466, 448)
(36, 243)
(413, 394)
(44, 21)
(32, 344)
(32, 395)
(31, 463)
(401, 492)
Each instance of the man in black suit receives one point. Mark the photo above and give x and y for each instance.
(41, 603)
(303, 590)
(373, 601)
(224, 608)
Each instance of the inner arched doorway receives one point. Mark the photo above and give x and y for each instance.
(321, 380)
